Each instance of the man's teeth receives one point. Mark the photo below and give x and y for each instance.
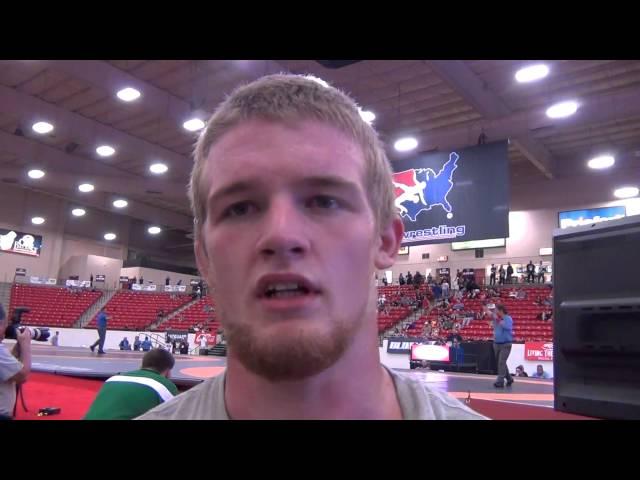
(285, 290)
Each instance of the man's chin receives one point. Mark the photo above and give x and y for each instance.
(288, 356)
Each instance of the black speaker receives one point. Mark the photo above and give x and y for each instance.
(425, 256)
(596, 326)
(479, 252)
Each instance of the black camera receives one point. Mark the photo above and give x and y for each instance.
(39, 334)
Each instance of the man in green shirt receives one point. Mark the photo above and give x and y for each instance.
(131, 394)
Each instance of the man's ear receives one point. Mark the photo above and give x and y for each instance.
(389, 243)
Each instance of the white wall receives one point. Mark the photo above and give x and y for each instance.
(80, 337)
(158, 276)
(528, 232)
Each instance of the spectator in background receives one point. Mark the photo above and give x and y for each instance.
(429, 279)
(401, 279)
(540, 373)
(531, 269)
(91, 280)
(141, 280)
(137, 344)
(509, 273)
(492, 276)
(501, 274)
(101, 321)
(520, 371)
(409, 278)
(167, 281)
(124, 344)
(146, 344)
(55, 339)
(184, 348)
(128, 395)
(445, 288)
(15, 367)
(502, 325)
(541, 271)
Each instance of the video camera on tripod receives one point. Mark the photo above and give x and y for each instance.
(39, 334)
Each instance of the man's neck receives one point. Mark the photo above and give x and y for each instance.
(356, 387)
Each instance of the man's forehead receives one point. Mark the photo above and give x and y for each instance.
(240, 157)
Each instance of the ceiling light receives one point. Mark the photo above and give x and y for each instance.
(128, 94)
(562, 109)
(120, 203)
(154, 230)
(42, 127)
(109, 236)
(158, 168)
(367, 116)
(600, 162)
(37, 220)
(532, 73)
(105, 150)
(626, 192)
(86, 187)
(78, 212)
(35, 173)
(405, 144)
(193, 125)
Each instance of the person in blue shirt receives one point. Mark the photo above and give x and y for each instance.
(540, 373)
(146, 344)
(502, 325)
(124, 344)
(101, 321)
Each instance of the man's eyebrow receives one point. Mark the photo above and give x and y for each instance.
(242, 186)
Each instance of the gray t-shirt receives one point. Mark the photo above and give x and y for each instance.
(9, 366)
(418, 401)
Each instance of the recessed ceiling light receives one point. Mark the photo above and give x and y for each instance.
(367, 115)
(626, 192)
(158, 168)
(35, 173)
(532, 73)
(600, 162)
(109, 236)
(154, 230)
(37, 220)
(128, 94)
(405, 144)
(193, 125)
(562, 109)
(105, 150)
(86, 187)
(120, 203)
(78, 212)
(42, 127)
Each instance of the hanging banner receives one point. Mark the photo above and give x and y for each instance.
(453, 196)
(20, 242)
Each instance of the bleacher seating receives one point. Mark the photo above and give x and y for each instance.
(51, 306)
(526, 324)
(395, 293)
(131, 310)
(193, 315)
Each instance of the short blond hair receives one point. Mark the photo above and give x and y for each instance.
(287, 97)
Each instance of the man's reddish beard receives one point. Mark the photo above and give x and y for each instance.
(293, 356)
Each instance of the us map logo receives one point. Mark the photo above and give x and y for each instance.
(419, 190)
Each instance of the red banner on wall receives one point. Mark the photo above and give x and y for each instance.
(538, 351)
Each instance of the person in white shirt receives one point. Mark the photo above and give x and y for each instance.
(293, 200)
